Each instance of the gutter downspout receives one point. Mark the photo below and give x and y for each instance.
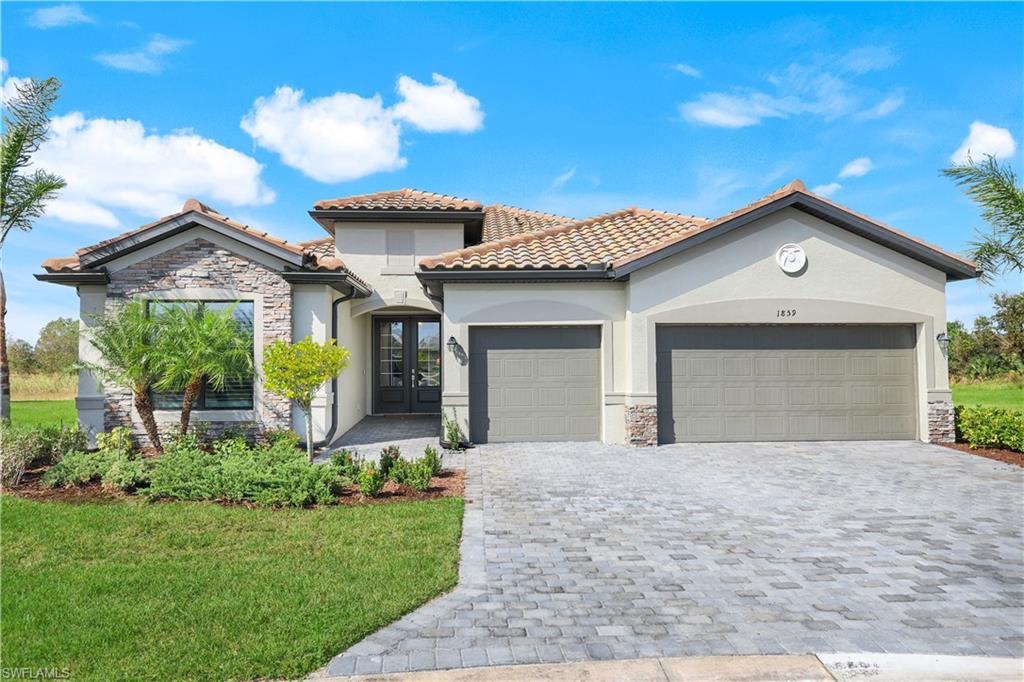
(329, 436)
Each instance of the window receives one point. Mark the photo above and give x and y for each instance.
(235, 394)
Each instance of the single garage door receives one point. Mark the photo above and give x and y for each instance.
(793, 382)
(534, 384)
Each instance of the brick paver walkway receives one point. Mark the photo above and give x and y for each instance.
(586, 552)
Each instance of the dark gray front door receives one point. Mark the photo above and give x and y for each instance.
(786, 382)
(407, 365)
(534, 384)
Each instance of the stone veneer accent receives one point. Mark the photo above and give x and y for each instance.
(641, 425)
(941, 426)
(203, 264)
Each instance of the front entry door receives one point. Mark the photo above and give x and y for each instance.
(407, 362)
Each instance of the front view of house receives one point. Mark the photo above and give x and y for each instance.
(792, 318)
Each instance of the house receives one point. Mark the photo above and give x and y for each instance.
(792, 318)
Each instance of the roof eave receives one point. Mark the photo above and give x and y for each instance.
(74, 278)
(341, 280)
(954, 268)
(482, 275)
(325, 217)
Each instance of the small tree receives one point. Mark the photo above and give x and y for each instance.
(298, 370)
(196, 346)
(126, 339)
(57, 347)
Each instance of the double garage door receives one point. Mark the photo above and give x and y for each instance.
(534, 384)
(793, 382)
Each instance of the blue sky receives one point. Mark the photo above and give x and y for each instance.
(260, 109)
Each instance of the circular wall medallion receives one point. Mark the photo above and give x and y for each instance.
(791, 258)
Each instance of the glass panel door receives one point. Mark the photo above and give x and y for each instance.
(428, 354)
(392, 355)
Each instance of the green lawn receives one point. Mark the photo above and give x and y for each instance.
(42, 412)
(129, 590)
(990, 394)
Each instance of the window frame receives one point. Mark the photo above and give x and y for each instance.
(200, 403)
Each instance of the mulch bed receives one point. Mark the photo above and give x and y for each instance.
(1008, 456)
(449, 483)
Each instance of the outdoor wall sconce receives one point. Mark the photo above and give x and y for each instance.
(452, 344)
(943, 341)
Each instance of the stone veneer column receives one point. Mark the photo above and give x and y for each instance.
(641, 425)
(941, 426)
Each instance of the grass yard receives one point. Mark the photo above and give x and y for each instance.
(990, 394)
(42, 412)
(129, 590)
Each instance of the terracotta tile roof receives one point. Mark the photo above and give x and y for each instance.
(315, 254)
(794, 187)
(400, 200)
(505, 221)
(574, 245)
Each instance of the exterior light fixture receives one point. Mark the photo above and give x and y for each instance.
(943, 340)
(452, 344)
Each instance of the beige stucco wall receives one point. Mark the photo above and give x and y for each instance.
(733, 279)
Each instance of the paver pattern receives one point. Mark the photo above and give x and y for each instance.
(588, 552)
(411, 433)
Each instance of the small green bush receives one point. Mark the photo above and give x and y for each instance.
(990, 427)
(388, 457)
(117, 440)
(346, 463)
(419, 474)
(80, 467)
(40, 445)
(126, 475)
(370, 480)
(15, 454)
(430, 455)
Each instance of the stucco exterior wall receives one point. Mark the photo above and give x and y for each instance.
(733, 279)
(202, 265)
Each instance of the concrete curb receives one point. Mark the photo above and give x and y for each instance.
(820, 668)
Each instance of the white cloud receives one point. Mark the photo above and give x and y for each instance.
(730, 111)
(827, 190)
(863, 60)
(860, 166)
(883, 108)
(331, 139)
(687, 70)
(345, 136)
(438, 108)
(562, 179)
(115, 164)
(146, 59)
(985, 140)
(10, 87)
(3, 66)
(817, 90)
(59, 15)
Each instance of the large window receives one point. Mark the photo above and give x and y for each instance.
(235, 394)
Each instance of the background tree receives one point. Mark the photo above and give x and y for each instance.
(126, 339)
(21, 356)
(994, 348)
(57, 347)
(196, 345)
(1009, 319)
(994, 188)
(298, 370)
(23, 194)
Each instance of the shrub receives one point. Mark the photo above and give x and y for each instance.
(418, 474)
(117, 440)
(268, 475)
(452, 431)
(279, 435)
(13, 460)
(388, 457)
(990, 427)
(126, 474)
(370, 480)
(41, 445)
(400, 471)
(346, 463)
(430, 455)
(80, 467)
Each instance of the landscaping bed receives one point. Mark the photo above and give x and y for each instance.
(1000, 454)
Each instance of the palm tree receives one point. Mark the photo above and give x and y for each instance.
(995, 189)
(200, 346)
(126, 339)
(23, 194)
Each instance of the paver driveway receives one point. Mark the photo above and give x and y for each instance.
(587, 551)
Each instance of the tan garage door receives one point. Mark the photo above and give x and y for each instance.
(534, 384)
(793, 382)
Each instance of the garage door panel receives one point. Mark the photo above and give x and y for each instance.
(796, 382)
(534, 383)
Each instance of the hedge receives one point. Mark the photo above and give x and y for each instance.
(990, 427)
